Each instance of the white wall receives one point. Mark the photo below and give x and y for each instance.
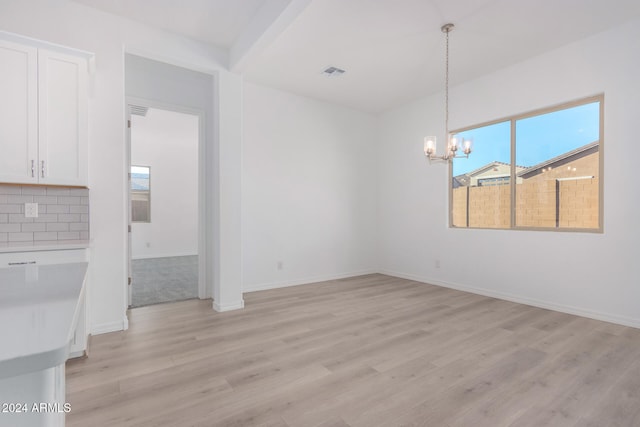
(308, 190)
(71, 24)
(316, 162)
(167, 142)
(590, 274)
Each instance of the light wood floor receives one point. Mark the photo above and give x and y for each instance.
(367, 351)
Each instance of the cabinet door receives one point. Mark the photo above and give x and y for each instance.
(62, 112)
(18, 113)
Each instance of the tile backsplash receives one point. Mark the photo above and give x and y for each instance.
(63, 213)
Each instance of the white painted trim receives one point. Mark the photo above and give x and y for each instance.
(104, 328)
(163, 105)
(30, 41)
(221, 58)
(228, 307)
(163, 256)
(606, 317)
(76, 354)
(305, 281)
(127, 214)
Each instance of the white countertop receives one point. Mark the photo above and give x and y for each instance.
(39, 307)
(50, 245)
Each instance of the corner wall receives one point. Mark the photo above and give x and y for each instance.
(308, 190)
(590, 274)
(108, 36)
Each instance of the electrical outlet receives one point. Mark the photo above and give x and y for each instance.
(280, 265)
(31, 210)
(437, 263)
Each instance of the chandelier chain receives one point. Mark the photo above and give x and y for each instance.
(446, 88)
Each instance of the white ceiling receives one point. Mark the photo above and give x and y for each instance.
(392, 50)
(219, 22)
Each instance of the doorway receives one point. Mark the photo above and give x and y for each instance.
(164, 205)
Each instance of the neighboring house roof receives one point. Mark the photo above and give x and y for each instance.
(460, 181)
(485, 168)
(561, 159)
(527, 172)
(466, 178)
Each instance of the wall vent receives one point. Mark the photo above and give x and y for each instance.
(138, 110)
(333, 72)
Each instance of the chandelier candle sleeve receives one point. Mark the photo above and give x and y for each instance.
(429, 145)
(453, 143)
(467, 146)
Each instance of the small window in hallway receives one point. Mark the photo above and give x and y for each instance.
(140, 194)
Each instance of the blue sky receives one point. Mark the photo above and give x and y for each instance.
(140, 177)
(538, 138)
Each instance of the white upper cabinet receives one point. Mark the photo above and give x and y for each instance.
(62, 117)
(18, 113)
(43, 117)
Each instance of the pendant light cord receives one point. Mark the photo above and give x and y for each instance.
(446, 89)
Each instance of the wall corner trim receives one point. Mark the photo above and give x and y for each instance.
(220, 308)
(103, 328)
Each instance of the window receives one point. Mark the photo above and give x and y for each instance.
(140, 194)
(474, 203)
(540, 170)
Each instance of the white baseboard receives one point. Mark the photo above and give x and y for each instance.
(304, 281)
(104, 328)
(606, 317)
(228, 307)
(151, 256)
(77, 354)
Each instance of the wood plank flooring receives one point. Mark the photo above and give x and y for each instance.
(366, 351)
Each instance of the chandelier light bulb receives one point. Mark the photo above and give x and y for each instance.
(467, 146)
(429, 145)
(453, 143)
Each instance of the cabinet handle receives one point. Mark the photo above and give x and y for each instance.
(33, 168)
(42, 168)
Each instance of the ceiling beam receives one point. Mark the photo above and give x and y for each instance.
(271, 20)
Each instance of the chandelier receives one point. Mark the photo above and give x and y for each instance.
(454, 142)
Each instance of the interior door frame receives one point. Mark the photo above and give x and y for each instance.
(203, 259)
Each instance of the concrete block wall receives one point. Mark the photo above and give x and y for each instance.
(459, 202)
(536, 203)
(575, 202)
(63, 213)
(579, 203)
(489, 206)
(539, 199)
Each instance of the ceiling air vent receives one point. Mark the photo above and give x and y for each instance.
(333, 72)
(137, 110)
